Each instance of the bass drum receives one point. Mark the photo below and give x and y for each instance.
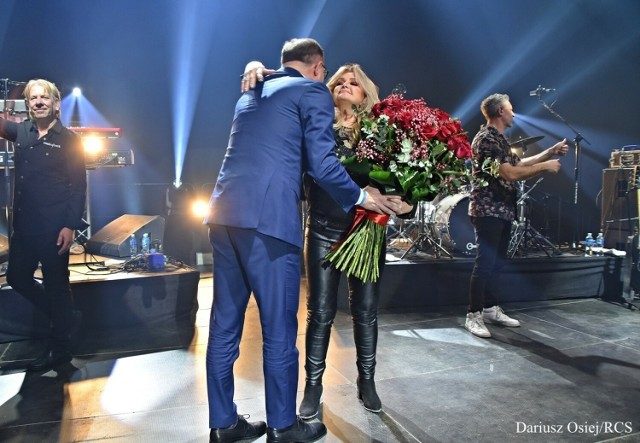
(452, 224)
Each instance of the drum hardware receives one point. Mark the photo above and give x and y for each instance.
(519, 147)
(424, 240)
(452, 223)
(401, 230)
(524, 142)
(522, 233)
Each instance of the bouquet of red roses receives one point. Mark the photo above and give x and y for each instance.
(412, 150)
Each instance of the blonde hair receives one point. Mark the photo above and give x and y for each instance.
(48, 86)
(370, 89)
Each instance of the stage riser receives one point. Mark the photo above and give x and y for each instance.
(142, 311)
(446, 282)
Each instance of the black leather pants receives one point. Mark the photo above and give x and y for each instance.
(323, 280)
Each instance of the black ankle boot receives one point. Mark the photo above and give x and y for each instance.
(311, 401)
(367, 393)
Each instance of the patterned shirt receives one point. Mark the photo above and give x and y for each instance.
(498, 199)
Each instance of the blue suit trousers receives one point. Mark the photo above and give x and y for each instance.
(246, 261)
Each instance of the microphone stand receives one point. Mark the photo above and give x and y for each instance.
(576, 169)
(4, 86)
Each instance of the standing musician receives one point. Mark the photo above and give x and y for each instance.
(493, 208)
(49, 201)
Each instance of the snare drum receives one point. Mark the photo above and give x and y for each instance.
(452, 223)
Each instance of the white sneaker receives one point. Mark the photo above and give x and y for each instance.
(475, 325)
(496, 315)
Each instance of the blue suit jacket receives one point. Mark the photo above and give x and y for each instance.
(280, 129)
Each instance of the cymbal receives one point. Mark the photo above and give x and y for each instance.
(526, 141)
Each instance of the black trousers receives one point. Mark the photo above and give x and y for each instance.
(492, 236)
(323, 280)
(52, 297)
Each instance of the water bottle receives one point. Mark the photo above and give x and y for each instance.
(589, 243)
(133, 245)
(600, 243)
(145, 243)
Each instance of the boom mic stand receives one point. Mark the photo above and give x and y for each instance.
(576, 170)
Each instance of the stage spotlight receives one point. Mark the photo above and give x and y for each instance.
(200, 208)
(92, 145)
(77, 92)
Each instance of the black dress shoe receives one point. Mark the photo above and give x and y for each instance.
(367, 393)
(49, 359)
(299, 432)
(310, 401)
(242, 430)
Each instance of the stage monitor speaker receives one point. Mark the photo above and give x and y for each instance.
(619, 215)
(113, 239)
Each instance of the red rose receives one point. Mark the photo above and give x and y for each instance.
(428, 131)
(459, 144)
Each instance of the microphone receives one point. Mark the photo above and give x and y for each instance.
(540, 90)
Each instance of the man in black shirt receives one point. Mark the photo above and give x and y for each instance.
(48, 204)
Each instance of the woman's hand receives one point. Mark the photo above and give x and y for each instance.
(404, 208)
(254, 72)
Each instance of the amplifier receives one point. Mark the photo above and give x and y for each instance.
(624, 159)
(619, 216)
(109, 159)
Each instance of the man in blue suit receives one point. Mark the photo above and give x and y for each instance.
(280, 129)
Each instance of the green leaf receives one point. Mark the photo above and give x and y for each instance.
(383, 177)
(353, 165)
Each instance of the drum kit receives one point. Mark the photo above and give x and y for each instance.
(444, 227)
(441, 226)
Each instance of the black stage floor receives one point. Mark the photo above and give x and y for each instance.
(570, 373)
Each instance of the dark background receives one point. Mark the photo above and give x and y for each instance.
(144, 63)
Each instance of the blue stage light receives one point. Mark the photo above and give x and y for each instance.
(190, 52)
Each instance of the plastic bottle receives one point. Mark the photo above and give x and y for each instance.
(600, 243)
(145, 243)
(133, 245)
(589, 243)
